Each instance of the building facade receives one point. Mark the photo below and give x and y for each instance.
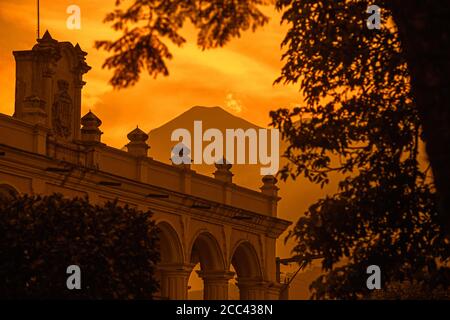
(47, 147)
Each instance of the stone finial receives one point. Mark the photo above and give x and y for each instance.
(270, 186)
(79, 50)
(83, 66)
(47, 39)
(49, 48)
(223, 171)
(138, 143)
(90, 131)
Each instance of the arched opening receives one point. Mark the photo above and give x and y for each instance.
(170, 246)
(206, 251)
(172, 272)
(233, 290)
(210, 269)
(248, 271)
(195, 284)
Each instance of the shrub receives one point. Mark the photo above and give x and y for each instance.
(116, 248)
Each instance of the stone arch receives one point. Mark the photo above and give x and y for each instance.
(245, 260)
(206, 249)
(171, 247)
(249, 271)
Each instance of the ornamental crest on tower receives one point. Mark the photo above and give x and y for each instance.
(62, 111)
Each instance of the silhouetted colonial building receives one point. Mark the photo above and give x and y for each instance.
(47, 147)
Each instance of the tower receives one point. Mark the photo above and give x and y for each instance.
(49, 79)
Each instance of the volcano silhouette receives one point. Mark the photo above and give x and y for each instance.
(211, 117)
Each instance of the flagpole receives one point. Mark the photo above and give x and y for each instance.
(38, 31)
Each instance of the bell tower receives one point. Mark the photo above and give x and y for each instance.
(49, 79)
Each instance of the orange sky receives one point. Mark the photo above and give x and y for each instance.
(238, 77)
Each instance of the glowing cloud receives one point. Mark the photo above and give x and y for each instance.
(233, 104)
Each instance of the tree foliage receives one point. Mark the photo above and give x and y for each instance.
(116, 248)
(359, 120)
(147, 25)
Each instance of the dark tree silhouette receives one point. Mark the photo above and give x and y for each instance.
(359, 120)
(116, 248)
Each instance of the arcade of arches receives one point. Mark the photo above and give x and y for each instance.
(178, 261)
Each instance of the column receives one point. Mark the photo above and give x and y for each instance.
(252, 288)
(137, 146)
(174, 281)
(215, 284)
